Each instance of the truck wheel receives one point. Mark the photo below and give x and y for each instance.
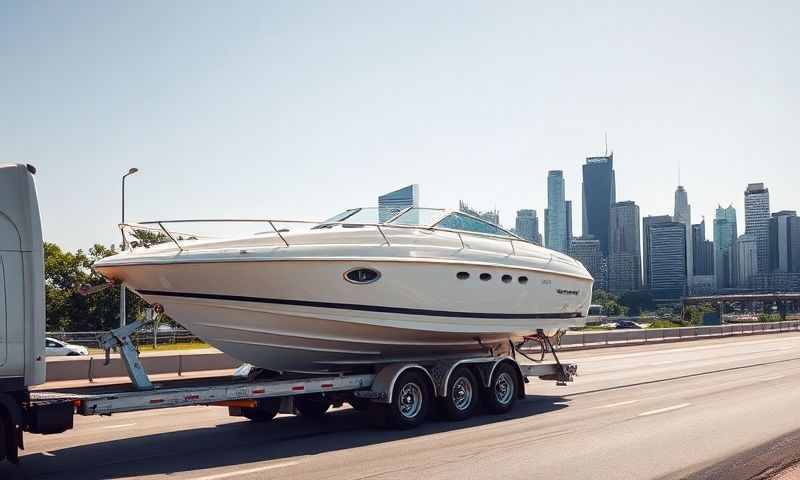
(462, 395)
(312, 406)
(265, 410)
(502, 391)
(8, 441)
(411, 401)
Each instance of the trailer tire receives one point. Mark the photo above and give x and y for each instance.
(312, 406)
(462, 395)
(503, 388)
(411, 401)
(265, 411)
(8, 441)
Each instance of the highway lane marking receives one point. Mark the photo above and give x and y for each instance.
(123, 425)
(618, 404)
(663, 410)
(247, 471)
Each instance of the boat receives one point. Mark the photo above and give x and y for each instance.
(360, 289)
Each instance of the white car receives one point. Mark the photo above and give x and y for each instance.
(55, 348)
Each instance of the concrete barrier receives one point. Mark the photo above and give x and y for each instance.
(90, 367)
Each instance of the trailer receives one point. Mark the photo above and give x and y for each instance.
(396, 395)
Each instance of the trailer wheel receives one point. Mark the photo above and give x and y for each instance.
(411, 401)
(8, 441)
(312, 406)
(462, 395)
(265, 410)
(502, 391)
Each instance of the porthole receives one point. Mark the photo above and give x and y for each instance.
(362, 276)
(485, 277)
(506, 278)
(523, 280)
(462, 275)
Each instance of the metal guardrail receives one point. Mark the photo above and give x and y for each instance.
(594, 338)
(166, 337)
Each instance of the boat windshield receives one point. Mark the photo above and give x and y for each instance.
(438, 217)
(356, 216)
(426, 217)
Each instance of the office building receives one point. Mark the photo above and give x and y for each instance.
(702, 251)
(784, 242)
(568, 208)
(725, 234)
(556, 215)
(527, 226)
(666, 243)
(682, 213)
(599, 194)
(745, 260)
(587, 251)
(624, 259)
(492, 216)
(393, 202)
(647, 222)
(756, 221)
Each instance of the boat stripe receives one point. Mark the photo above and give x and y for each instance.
(355, 306)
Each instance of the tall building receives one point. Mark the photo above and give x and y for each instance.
(683, 214)
(745, 260)
(599, 194)
(725, 234)
(492, 216)
(756, 221)
(587, 251)
(624, 259)
(393, 202)
(784, 242)
(647, 222)
(666, 243)
(527, 226)
(702, 251)
(568, 209)
(555, 231)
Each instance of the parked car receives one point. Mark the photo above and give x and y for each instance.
(55, 348)
(628, 324)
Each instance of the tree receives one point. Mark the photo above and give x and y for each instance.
(638, 300)
(610, 303)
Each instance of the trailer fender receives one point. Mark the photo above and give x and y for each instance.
(11, 409)
(383, 384)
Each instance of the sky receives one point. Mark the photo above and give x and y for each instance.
(302, 109)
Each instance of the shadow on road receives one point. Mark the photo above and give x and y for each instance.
(239, 443)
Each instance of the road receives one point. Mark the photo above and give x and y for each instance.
(694, 409)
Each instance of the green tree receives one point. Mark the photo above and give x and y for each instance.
(611, 304)
(637, 301)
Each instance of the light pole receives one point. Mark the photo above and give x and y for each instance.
(122, 289)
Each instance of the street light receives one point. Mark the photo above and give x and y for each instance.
(122, 289)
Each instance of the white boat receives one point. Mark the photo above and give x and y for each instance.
(351, 292)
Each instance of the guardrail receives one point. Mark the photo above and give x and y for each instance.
(143, 338)
(595, 338)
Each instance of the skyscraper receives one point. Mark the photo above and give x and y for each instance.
(587, 251)
(599, 194)
(756, 221)
(556, 217)
(725, 234)
(666, 245)
(702, 251)
(393, 202)
(647, 222)
(492, 216)
(683, 214)
(568, 209)
(784, 242)
(745, 260)
(624, 259)
(527, 226)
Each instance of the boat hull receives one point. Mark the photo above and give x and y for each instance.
(302, 314)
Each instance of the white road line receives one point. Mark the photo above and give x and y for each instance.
(248, 471)
(662, 410)
(666, 362)
(618, 404)
(122, 425)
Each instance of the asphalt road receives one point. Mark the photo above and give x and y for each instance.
(699, 409)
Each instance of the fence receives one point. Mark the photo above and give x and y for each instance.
(591, 339)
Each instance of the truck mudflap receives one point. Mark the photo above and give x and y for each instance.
(50, 417)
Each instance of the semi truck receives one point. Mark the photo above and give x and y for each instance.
(248, 392)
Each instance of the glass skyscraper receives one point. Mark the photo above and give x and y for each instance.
(556, 216)
(624, 259)
(725, 233)
(647, 222)
(393, 202)
(666, 244)
(784, 242)
(599, 194)
(527, 226)
(683, 214)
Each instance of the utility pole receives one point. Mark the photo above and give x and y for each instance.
(122, 288)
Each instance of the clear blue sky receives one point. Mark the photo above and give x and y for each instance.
(302, 109)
